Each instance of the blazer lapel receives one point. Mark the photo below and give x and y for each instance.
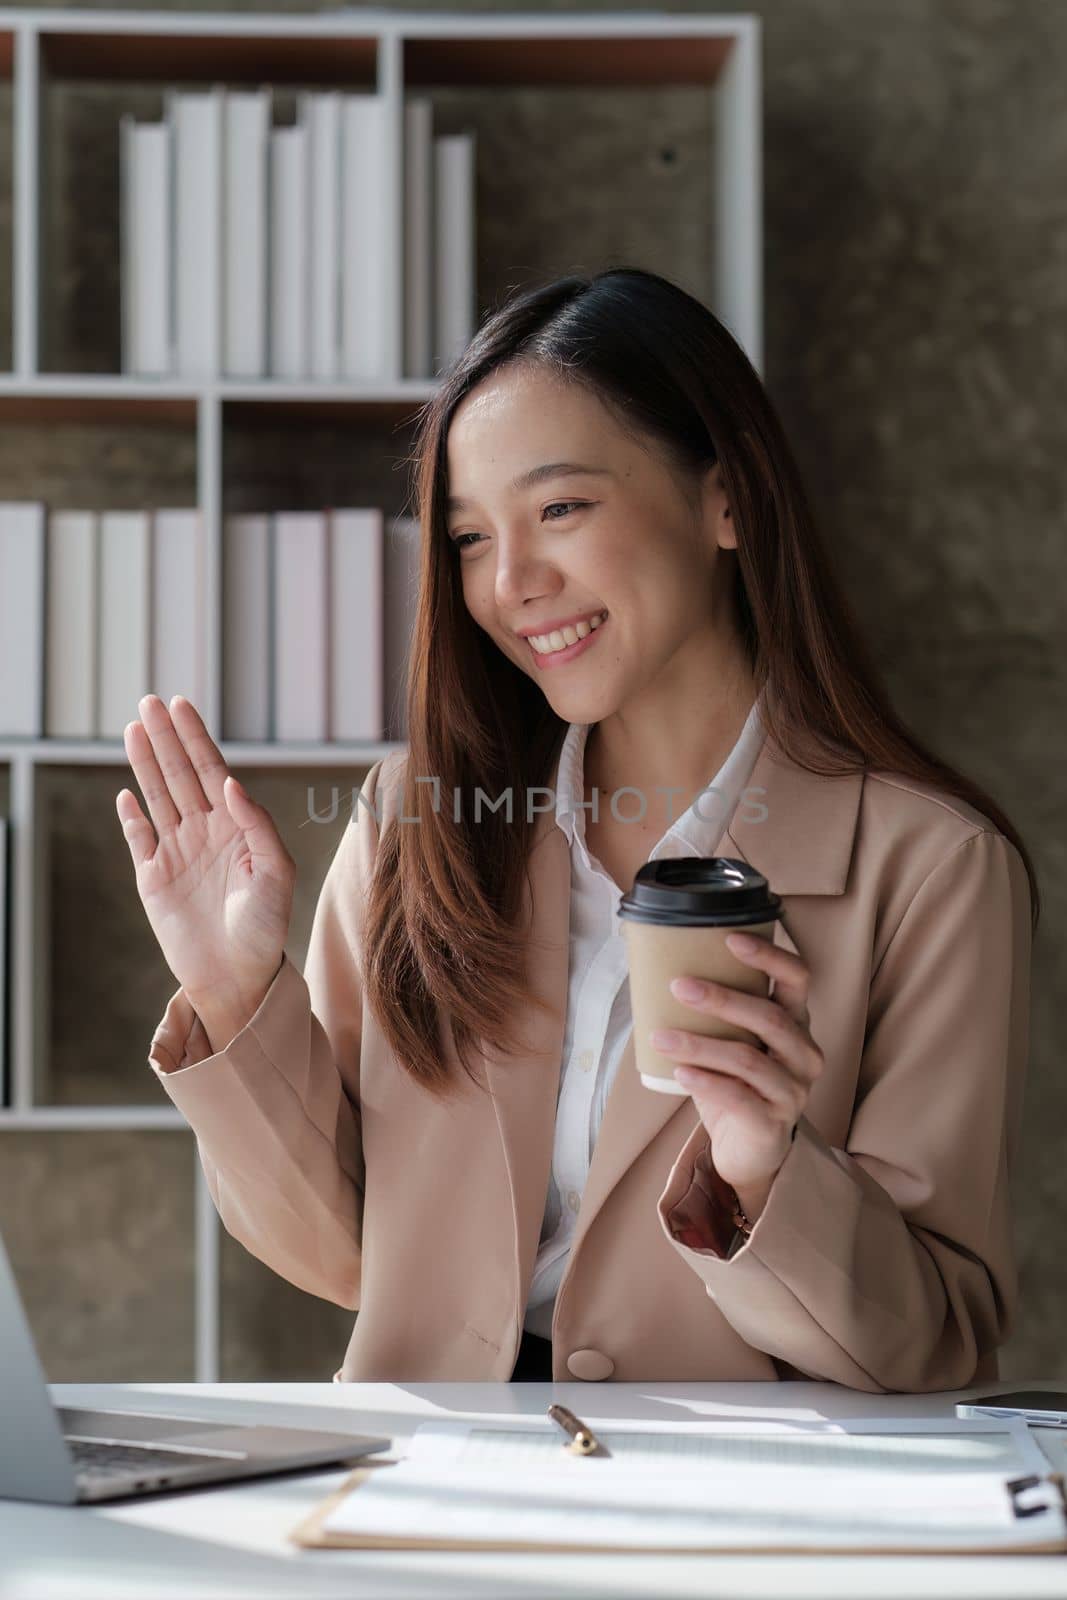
(799, 828)
(795, 827)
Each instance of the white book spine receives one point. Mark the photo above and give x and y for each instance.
(418, 236)
(455, 312)
(245, 245)
(197, 120)
(128, 331)
(124, 614)
(322, 115)
(6, 1094)
(71, 632)
(289, 252)
(401, 598)
(145, 231)
(364, 246)
(356, 587)
(22, 616)
(247, 629)
(301, 621)
(178, 622)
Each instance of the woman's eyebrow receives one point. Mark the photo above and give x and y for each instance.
(551, 469)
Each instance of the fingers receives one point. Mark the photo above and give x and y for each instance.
(204, 752)
(161, 765)
(140, 835)
(785, 1036)
(261, 836)
(730, 1058)
(789, 972)
(161, 807)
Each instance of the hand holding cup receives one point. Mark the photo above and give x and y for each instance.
(750, 1096)
(746, 1057)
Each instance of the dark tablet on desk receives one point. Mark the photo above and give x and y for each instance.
(1044, 1407)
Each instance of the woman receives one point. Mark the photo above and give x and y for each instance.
(440, 1123)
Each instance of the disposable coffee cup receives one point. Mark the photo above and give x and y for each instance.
(675, 919)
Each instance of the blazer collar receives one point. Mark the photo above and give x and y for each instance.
(802, 845)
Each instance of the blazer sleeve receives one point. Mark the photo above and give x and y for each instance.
(276, 1113)
(889, 1265)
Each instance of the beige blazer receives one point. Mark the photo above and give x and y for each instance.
(883, 1259)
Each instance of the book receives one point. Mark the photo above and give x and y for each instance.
(22, 618)
(455, 312)
(401, 598)
(321, 112)
(197, 122)
(418, 236)
(145, 223)
(356, 588)
(6, 1073)
(366, 256)
(300, 625)
(178, 619)
(247, 627)
(123, 617)
(289, 279)
(247, 117)
(71, 631)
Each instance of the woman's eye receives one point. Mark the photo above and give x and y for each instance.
(567, 506)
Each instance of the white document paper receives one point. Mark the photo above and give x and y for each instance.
(901, 1445)
(913, 1484)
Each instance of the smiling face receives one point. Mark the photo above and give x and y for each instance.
(620, 539)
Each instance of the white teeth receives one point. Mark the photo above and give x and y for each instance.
(560, 638)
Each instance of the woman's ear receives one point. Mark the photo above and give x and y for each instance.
(717, 510)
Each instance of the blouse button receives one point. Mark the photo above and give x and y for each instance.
(590, 1365)
(585, 1060)
(574, 1199)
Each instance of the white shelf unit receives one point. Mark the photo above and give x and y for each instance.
(392, 52)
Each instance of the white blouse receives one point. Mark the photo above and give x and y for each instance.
(598, 1004)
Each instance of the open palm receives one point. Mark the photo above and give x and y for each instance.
(214, 876)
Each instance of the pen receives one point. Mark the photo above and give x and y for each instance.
(581, 1440)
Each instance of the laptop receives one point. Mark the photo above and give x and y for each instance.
(71, 1457)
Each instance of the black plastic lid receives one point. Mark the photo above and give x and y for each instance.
(700, 891)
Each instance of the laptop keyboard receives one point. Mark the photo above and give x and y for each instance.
(95, 1459)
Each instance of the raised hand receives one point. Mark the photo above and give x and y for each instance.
(214, 877)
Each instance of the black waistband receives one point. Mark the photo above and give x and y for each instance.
(534, 1361)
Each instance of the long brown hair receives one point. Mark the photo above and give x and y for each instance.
(442, 940)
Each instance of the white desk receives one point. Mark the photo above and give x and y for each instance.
(221, 1543)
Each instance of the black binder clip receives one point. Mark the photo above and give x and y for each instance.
(1018, 1486)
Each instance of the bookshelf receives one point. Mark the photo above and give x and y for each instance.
(390, 53)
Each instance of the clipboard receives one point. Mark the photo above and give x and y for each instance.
(310, 1532)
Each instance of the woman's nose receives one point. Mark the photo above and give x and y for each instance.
(522, 576)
